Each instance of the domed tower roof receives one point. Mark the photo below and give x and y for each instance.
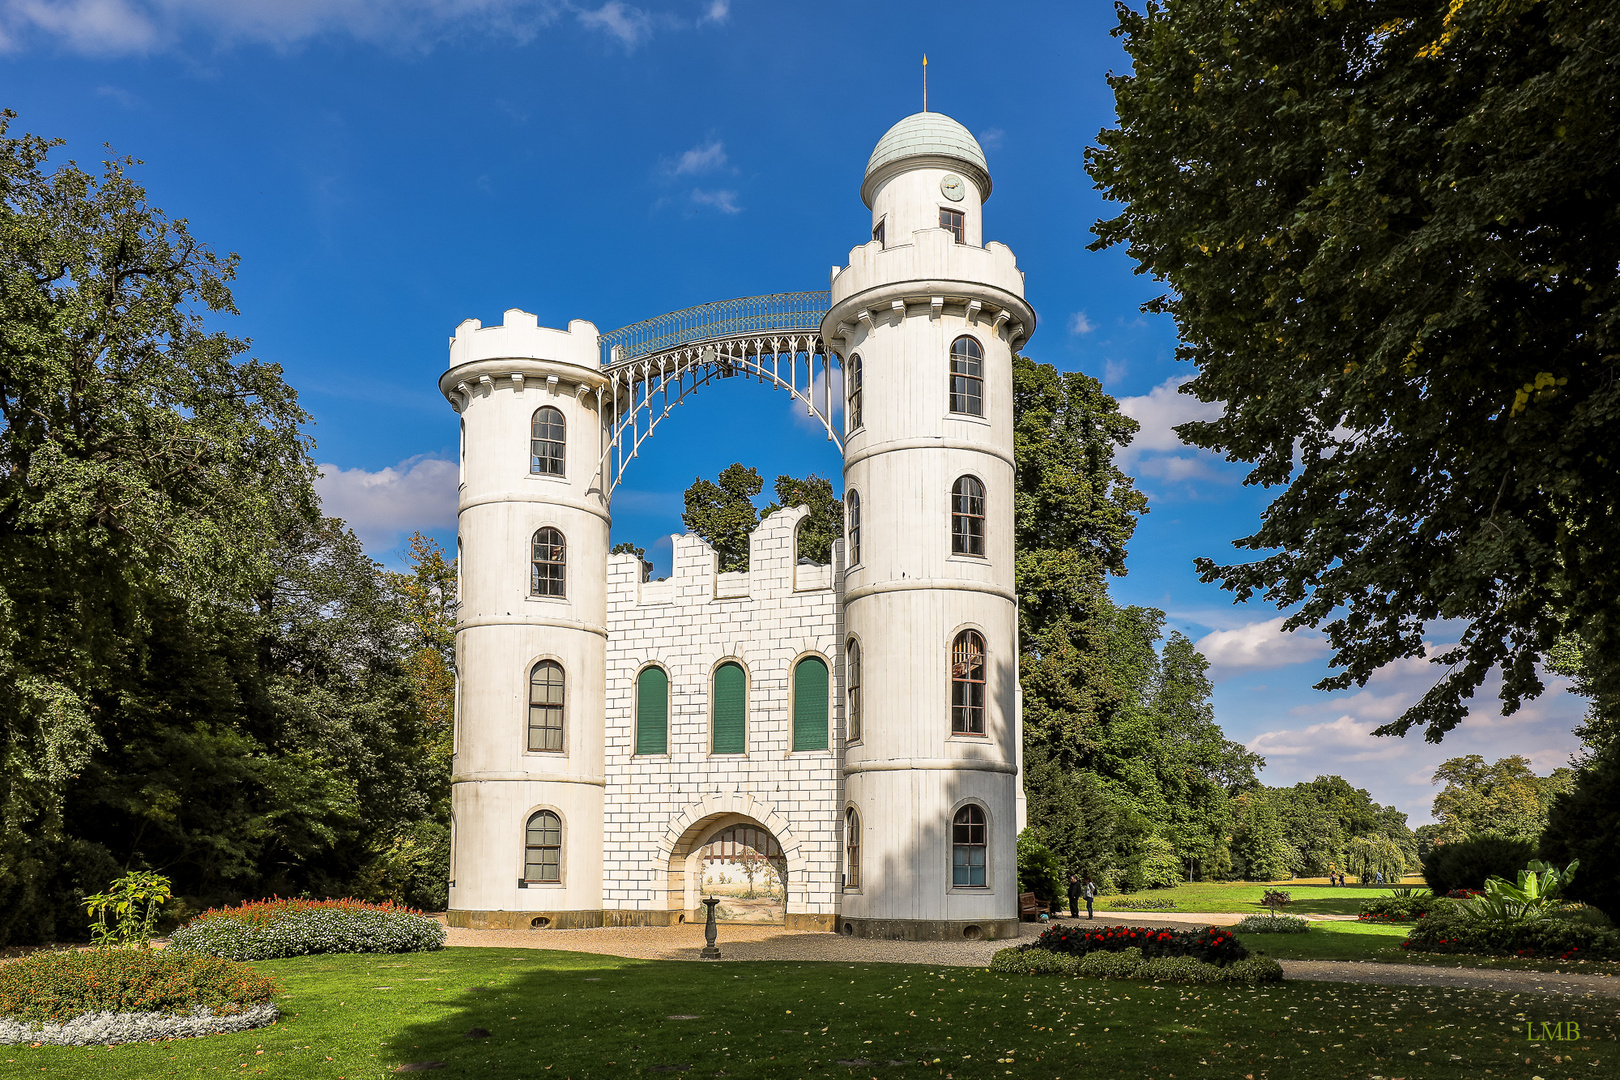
(926, 138)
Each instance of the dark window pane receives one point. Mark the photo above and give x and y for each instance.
(954, 221)
(547, 442)
(810, 704)
(546, 706)
(547, 570)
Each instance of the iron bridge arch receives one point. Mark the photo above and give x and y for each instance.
(652, 366)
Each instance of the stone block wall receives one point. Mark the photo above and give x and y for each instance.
(661, 808)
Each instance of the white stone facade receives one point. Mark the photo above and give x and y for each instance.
(631, 824)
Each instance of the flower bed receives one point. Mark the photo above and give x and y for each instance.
(1562, 939)
(1409, 906)
(1130, 963)
(1212, 945)
(1272, 924)
(271, 929)
(122, 995)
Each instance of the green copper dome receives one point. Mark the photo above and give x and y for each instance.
(926, 138)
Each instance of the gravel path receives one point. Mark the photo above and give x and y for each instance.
(739, 941)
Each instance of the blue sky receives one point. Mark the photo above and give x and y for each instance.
(388, 169)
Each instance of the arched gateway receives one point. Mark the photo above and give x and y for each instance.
(856, 724)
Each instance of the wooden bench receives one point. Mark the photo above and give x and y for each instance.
(1031, 909)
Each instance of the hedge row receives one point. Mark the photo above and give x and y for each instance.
(1272, 924)
(1212, 945)
(1130, 963)
(273, 929)
(58, 986)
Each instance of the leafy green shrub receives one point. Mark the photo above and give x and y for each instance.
(1468, 864)
(1130, 964)
(125, 916)
(1276, 898)
(51, 987)
(1121, 903)
(1272, 924)
(1039, 871)
(1451, 930)
(1407, 905)
(1212, 945)
(271, 929)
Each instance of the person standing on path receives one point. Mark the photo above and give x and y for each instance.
(1074, 896)
(1090, 893)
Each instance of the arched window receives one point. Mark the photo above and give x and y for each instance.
(852, 690)
(810, 704)
(652, 711)
(852, 849)
(968, 848)
(728, 725)
(967, 684)
(546, 442)
(542, 848)
(547, 570)
(546, 706)
(854, 418)
(967, 377)
(852, 512)
(967, 517)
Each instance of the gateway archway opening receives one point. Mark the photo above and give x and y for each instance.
(743, 867)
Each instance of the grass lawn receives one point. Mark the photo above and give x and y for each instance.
(556, 1015)
(1245, 896)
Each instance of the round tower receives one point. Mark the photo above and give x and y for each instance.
(927, 318)
(527, 778)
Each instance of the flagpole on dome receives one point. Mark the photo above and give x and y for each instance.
(925, 82)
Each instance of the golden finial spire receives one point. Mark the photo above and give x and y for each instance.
(925, 82)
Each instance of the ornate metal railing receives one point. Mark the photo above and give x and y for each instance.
(799, 311)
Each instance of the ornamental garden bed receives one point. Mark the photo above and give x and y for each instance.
(128, 995)
(277, 928)
(1148, 954)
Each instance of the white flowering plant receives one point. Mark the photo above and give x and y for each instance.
(276, 928)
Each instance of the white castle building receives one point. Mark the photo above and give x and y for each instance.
(862, 717)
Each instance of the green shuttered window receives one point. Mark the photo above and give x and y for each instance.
(652, 712)
(730, 704)
(810, 704)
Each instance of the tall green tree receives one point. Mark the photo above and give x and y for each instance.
(1506, 797)
(1390, 231)
(824, 523)
(723, 513)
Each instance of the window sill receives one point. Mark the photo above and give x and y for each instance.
(547, 753)
(540, 885)
(533, 599)
(975, 890)
(971, 560)
(967, 737)
(827, 750)
(547, 476)
(969, 418)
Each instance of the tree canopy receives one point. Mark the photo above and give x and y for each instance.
(1391, 232)
(1506, 798)
(722, 512)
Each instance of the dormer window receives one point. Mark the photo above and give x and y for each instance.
(877, 231)
(954, 221)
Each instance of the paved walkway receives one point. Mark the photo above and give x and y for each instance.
(740, 941)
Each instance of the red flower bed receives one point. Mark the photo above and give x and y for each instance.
(1212, 945)
(265, 912)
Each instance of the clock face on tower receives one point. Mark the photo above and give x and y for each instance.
(951, 187)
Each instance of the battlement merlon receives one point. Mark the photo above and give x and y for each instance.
(933, 266)
(521, 347)
(695, 576)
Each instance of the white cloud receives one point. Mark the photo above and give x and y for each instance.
(723, 201)
(383, 506)
(1114, 370)
(1260, 646)
(991, 138)
(142, 27)
(717, 12)
(630, 25)
(1079, 324)
(818, 393)
(1160, 410)
(706, 158)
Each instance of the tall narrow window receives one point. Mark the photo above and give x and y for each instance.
(967, 684)
(878, 230)
(968, 848)
(967, 517)
(852, 849)
(546, 706)
(729, 722)
(967, 377)
(853, 514)
(854, 416)
(852, 690)
(652, 711)
(954, 221)
(542, 848)
(549, 564)
(810, 704)
(546, 442)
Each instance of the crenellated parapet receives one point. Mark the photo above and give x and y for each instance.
(518, 353)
